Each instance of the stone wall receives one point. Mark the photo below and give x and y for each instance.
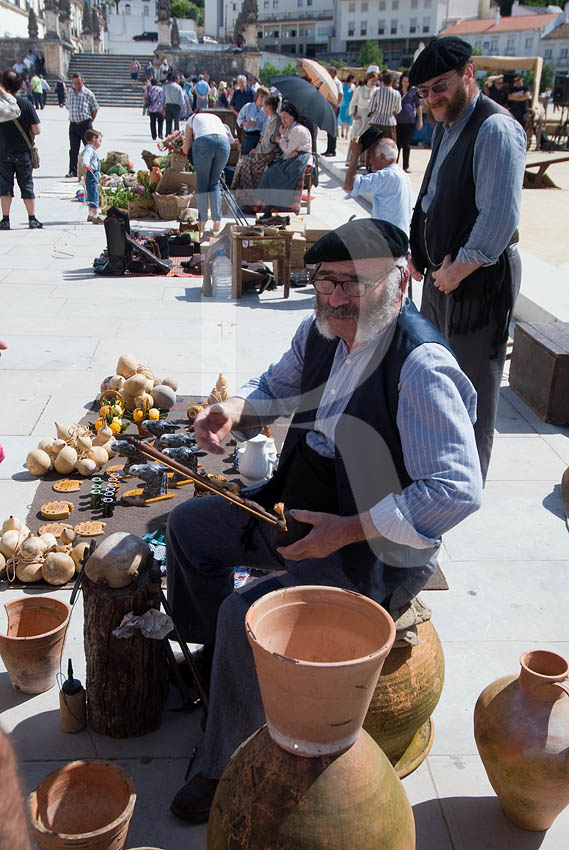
(57, 55)
(216, 64)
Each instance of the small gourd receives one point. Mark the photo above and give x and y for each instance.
(164, 397)
(58, 568)
(38, 462)
(9, 543)
(135, 385)
(49, 541)
(31, 549)
(68, 535)
(62, 431)
(98, 455)
(84, 444)
(126, 365)
(66, 460)
(85, 466)
(77, 554)
(29, 571)
(170, 382)
(2, 565)
(12, 524)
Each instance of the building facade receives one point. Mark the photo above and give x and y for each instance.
(127, 18)
(519, 35)
(555, 44)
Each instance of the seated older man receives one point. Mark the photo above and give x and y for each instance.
(380, 460)
(388, 185)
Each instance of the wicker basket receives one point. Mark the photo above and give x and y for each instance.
(169, 207)
(140, 209)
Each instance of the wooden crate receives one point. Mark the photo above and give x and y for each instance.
(297, 251)
(539, 370)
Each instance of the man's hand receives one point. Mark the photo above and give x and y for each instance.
(329, 533)
(414, 271)
(451, 274)
(213, 425)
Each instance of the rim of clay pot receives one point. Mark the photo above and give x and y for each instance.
(536, 657)
(124, 815)
(339, 591)
(21, 599)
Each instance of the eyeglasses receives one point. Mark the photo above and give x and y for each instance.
(354, 287)
(436, 88)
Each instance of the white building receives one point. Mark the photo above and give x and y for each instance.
(127, 18)
(519, 35)
(555, 44)
(14, 18)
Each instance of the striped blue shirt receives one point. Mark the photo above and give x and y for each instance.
(437, 408)
(498, 167)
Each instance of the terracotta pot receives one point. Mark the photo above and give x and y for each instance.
(268, 798)
(85, 805)
(318, 652)
(406, 694)
(31, 650)
(521, 726)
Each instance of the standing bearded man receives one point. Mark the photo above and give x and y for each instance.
(463, 231)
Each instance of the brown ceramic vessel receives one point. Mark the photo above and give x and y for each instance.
(318, 652)
(31, 650)
(85, 805)
(521, 726)
(268, 798)
(406, 694)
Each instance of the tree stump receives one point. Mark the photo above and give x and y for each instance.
(127, 679)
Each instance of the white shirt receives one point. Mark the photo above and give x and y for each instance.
(392, 195)
(206, 124)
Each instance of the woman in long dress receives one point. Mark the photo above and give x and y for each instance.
(279, 183)
(344, 116)
(250, 168)
(360, 104)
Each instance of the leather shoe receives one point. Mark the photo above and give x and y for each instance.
(193, 801)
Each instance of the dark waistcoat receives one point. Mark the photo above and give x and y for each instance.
(369, 456)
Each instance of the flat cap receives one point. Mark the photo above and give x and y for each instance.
(360, 239)
(438, 57)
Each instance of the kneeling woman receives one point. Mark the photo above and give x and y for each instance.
(209, 140)
(250, 167)
(279, 183)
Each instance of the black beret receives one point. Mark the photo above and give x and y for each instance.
(360, 239)
(438, 57)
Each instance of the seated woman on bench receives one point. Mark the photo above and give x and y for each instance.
(250, 167)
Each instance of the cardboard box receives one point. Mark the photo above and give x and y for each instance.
(313, 234)
(297, 251)
(172, 181)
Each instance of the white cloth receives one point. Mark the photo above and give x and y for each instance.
(392, 195)
(9, 108)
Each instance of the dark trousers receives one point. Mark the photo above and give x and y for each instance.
(404, 136)
(77, 130)
(156, 120)
(250, 140)
(172, 117)
(38, 102)
(475, 355)
(331, 146)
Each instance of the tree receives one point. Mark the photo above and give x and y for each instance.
(337, 63)
(86, 19)
(175, 35)
(477, 51)
(370, 54)
(32, 24)
(269, 71)
(180, 8)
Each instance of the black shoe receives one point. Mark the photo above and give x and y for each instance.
(34, 224)
(70, 174)
(193, 801)
(328, 154)
(5, 224)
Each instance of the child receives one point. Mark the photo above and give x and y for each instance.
(92, 166)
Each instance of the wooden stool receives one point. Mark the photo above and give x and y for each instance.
(268, 244)
(308, 186)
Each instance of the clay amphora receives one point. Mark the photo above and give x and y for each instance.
(318, 652)
(406, 694)
(85, 804)
(268, 798)
(31, 650)
(521, 726)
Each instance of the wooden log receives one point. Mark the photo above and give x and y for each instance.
(127, 679)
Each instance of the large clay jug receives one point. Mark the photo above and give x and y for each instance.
(85, 804)
(32, 647)
(318, 652)
(406, 694)
(268, 798)
(521, 726)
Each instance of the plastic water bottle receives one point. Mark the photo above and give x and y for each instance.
(222, 283)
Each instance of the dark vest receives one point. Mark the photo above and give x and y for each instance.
(447, 225)
(369, 456)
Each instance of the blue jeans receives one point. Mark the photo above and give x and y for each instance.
(92, 189)
(210, 155)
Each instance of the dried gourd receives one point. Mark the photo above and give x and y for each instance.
(12, 524)
(9, 543)
(66, 460)
(38, 462)
(29, 571)
(163, 397)
(58, 568)
(117, 559)
(126, 365)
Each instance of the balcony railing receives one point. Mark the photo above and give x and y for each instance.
(314, 14)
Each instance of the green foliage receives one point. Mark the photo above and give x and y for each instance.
(185, 9)
(547, 76)
(269, 71)
(371, 54)
(477, 51)
(337, 63)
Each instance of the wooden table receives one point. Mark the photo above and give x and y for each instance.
(541, 180)
(257, 245)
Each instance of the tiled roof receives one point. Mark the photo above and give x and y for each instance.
(516, 23)
(562, 31)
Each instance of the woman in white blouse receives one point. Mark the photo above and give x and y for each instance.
(209, 140)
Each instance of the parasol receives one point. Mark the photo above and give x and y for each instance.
(309, 102)
(320, 78)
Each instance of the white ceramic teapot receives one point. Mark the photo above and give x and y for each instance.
(257, 459)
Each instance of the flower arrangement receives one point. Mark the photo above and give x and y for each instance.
(172, 143)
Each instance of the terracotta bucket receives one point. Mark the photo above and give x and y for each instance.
(85, 805)
(31, 650)
(318, 653)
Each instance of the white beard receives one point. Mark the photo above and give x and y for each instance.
(370, 323)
